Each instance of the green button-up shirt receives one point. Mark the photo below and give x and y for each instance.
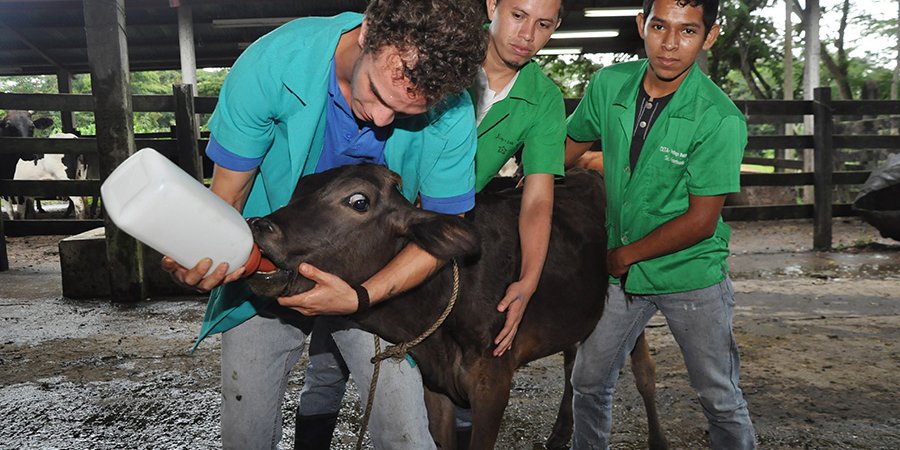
(694, 148)
(531, 117)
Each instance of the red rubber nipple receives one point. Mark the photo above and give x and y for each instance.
(257, 262)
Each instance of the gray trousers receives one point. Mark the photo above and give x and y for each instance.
(257, 357)
(701, 323)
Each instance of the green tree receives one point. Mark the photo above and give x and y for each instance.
(209, 82)
(570, 73)
(745, 58)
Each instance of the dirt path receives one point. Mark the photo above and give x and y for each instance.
(818, 333)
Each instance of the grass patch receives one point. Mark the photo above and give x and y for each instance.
(756, 168)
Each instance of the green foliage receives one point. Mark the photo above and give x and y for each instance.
(745, 60)
(861, 70)
(209, 81)
(35, 84)
(570, 73)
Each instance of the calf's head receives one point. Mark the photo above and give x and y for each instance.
(350, 221)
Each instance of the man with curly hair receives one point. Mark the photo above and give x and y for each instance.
(517, 109)
(386, 88)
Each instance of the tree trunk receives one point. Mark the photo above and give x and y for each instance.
(811, 80)
(838, 66)
(896, 82)
(788, 87)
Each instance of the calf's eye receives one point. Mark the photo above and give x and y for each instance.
(358, 202)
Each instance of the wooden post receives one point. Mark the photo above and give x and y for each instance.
(186, 46)
(824, 169)
(64, 84)
(188, 156)
(4, 259)
(104, 24)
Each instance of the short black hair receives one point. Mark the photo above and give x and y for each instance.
(710, 10)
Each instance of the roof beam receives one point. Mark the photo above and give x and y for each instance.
(37, 49)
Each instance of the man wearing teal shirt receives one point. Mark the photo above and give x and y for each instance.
(517, 108)
(398, 70)
(672, 143)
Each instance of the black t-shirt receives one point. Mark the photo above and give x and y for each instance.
(648, 109)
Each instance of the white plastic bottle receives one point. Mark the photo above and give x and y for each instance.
(152, 199)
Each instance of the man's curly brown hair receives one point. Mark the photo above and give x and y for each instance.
(445, 41)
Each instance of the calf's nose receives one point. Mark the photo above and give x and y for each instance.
(261, 225)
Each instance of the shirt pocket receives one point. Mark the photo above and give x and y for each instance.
(665, 189)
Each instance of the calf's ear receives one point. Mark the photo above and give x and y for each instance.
(43, 122)
(444, 236)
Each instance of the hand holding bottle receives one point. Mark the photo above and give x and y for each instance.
(196, 277)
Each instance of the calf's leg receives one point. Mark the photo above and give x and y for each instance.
(644, 369)
(562, 429)
(441, 419)
(489, 395)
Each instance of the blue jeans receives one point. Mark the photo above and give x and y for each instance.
(701, 322)
(257, 357)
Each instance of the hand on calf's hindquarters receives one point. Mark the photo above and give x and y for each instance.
(331, 295)
(196, 278)
(514, 303)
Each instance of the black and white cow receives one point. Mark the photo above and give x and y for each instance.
(18, 124)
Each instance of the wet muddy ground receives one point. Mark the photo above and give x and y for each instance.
(818, 333)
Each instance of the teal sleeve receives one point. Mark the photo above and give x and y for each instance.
(714, 165)
(243, 120)
(544, 150)
(453, 174)
(586, 121)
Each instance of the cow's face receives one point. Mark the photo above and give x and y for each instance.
(20, 124)
(349, 221)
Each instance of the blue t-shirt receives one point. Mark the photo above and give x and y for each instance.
(345, 142)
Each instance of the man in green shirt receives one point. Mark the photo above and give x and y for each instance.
(517, 107)
(672, 144)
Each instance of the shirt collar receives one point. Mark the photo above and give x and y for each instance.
(679, 106)
(485, 97)
(334, 90)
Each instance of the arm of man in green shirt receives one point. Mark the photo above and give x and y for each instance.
(574, 150)
(534, 230)
(696, 224)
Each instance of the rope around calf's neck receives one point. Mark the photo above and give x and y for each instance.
(399, 352)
